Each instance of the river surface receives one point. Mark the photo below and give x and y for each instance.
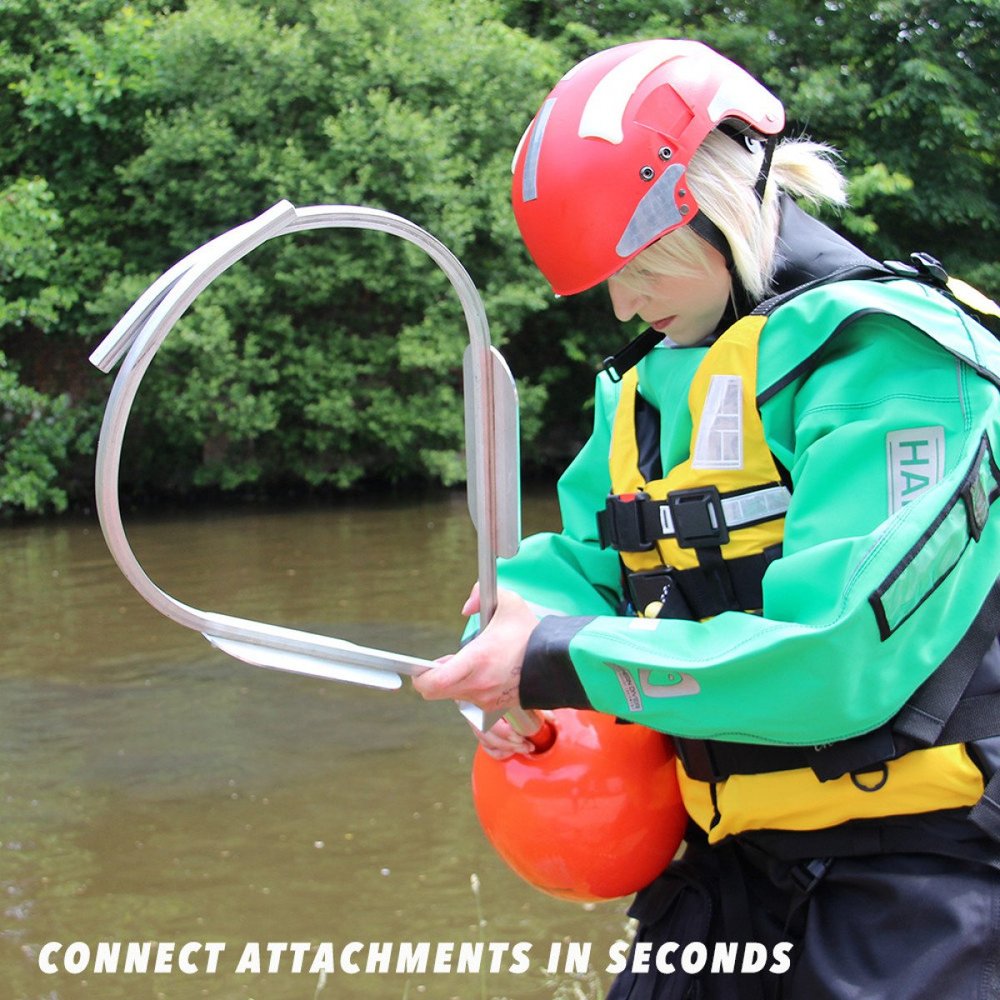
(155, 790)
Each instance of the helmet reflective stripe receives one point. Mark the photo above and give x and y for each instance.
(529, 180)
(755, 102)
(657, 209)
(604, 112)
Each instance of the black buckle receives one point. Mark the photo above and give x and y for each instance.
(921, 266)
(808, 874)
(697, 517)
(620, 524)
(931, 268)
(660, 587)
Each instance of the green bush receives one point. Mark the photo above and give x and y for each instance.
(328, 360)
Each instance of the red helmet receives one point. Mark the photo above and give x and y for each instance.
(600, 172)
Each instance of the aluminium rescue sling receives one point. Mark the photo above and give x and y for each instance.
(698, 541)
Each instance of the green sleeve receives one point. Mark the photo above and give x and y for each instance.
(568, 573)
(864, 603)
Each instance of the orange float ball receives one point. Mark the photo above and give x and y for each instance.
(597, 815)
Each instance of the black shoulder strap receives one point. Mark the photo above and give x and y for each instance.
(929, 717)
(631, 354)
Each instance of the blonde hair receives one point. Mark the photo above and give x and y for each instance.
(722, 175)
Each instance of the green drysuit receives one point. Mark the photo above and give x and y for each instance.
(871, 397)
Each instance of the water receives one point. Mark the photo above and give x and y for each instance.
(154, 790)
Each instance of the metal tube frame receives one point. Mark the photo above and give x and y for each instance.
(491, 447)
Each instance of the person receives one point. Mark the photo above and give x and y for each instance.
(778, 545)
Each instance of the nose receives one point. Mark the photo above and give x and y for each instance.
(624, 301)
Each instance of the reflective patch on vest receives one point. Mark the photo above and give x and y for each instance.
(720, 431)
(915, 463)
(629, 688)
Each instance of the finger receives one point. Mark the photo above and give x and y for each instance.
(471, 605)
(501, 739)
(437, 682)
(505, 746)
(500, 733)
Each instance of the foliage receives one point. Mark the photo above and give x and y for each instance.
(135, 132)
(324, 360)
(35, 434)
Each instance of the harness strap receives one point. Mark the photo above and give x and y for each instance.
(631, 354)
(715, 760)
(745, 576)
(702, 591)
(946, 833)
(933, 705)
(700, 517)
(986, 812)
(974, 719)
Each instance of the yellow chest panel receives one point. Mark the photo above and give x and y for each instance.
(728, 451)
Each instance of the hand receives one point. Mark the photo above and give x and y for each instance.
(488, 669)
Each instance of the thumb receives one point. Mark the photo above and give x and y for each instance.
(471, 605)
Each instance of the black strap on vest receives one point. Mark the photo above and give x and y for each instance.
(936, 715)
(695, 518)
(702, 591)
(631, 354)
(923, 267)
(986, 812)
(633, 522)
(946, 833)
(928, 715)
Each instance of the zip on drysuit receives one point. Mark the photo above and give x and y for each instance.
(869, 630)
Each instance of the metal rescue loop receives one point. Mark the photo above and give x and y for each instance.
(491, 433)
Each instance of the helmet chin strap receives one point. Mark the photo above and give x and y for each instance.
(765, 168)
(753, 143)
(703, 226)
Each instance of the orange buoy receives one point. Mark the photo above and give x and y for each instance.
(596, 815)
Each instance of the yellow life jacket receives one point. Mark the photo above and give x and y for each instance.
(696, 542)
(726, 501)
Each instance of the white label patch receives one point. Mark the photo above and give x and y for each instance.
(629, 687)
(915, 463)
(720, 431)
